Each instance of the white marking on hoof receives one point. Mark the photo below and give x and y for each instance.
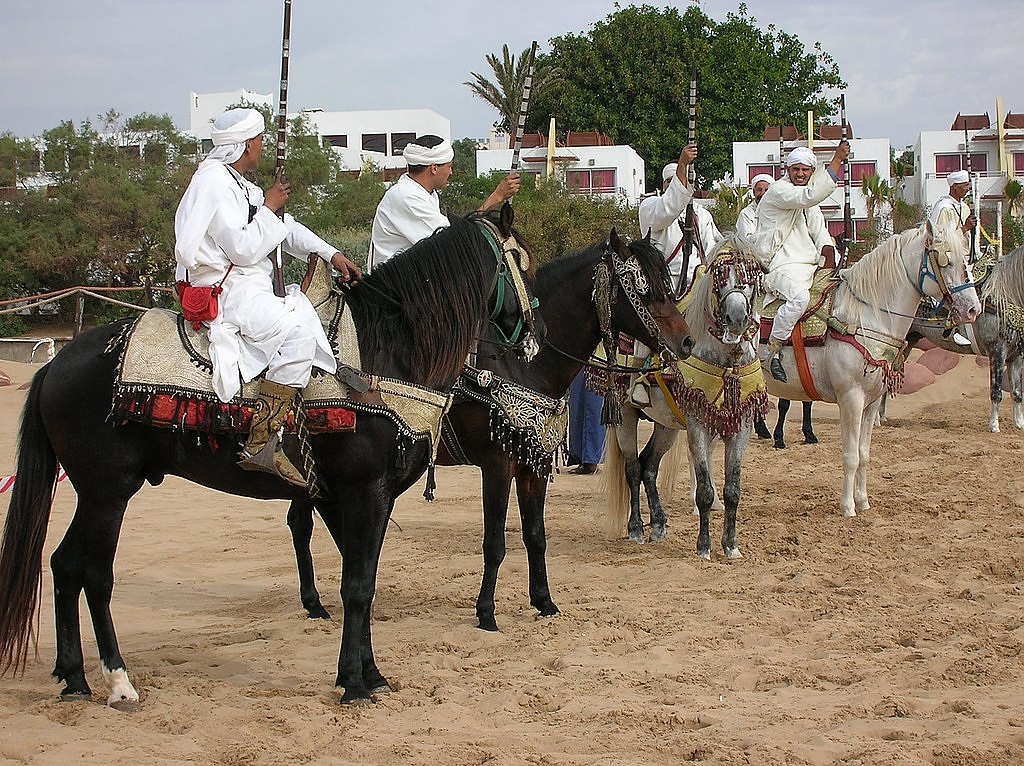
(733, 554)
(704, 556)
(122, 694)
(850, 513)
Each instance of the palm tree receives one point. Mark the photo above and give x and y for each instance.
(876, 192)
(506, 92)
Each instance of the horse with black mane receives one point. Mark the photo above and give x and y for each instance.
(416, 319)
(509, 413)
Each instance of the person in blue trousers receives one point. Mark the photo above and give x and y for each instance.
(586, 434)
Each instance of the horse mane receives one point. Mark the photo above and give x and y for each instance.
(870, 280)
(426, 303)
(1006, 282)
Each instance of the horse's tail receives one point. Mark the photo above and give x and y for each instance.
(677, 456)
(616, 488)
(21, 557)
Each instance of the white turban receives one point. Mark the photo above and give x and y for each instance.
(669, 170)
(958, 177)
(801, 156)
(415, 154)
(231, 130)
(759, 178)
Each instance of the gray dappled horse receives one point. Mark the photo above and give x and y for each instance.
(997, 332)
(719, 389)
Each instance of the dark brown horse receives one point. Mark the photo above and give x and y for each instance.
(570, 293)
(417, 318)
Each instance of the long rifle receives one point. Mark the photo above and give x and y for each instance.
(690, 217)
(973, 255)
(282, 132)
(524, 107)
(848, 234)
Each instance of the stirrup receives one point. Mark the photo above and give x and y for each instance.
(272, 459)
(775, 367)
(959, 339)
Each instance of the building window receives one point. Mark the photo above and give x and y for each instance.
(756, 170)
(207, 145)
(861, 170)
(338, 141)
(399, 140)
(950, 163)
(591, 181)
(1018, 164)
(375, 142)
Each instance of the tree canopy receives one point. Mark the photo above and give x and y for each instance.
(629, 75)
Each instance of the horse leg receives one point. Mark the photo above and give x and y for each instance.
(699, 443)
(735, 447)
(84, 560)
(661, 441)
(1015, 369)
(761, 429)
(496, 480)
(531, 490)
(996, 367)
(716, 503)
(867, 425)
(808, 429)
(300, 522)
(851, 412)
(357, 526)
(780, 426)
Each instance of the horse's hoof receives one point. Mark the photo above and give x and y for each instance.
(850, 513)
(75, 696)
(317, 613)
(705, 555)
(733, 554)
(487, 623)
(637, 537)
(384, 688)
(548, 610)
(124, 705)
(658, 535)
(993, 428)
(780, 444)
(810, 439)
(356, 701)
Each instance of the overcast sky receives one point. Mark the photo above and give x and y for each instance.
(911, 65)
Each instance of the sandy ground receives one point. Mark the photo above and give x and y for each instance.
(892, 638)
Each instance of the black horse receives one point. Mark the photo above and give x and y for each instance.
(779, 434)
(637, 293)
(417, 318)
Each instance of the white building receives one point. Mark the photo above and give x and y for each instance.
(868, 156)
(588, 164)
(996, 155)
(356, 137)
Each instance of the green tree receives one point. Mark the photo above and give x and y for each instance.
(505, 93)
(729, 202)
(18, 160)
(877, 192)
(628, 77)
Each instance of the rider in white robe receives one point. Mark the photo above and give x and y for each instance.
(792, 240)
(662, 215)
(951, 212)
(411, 209)
(225, 228)
(746, 222)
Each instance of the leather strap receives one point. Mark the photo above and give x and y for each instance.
(802, 367)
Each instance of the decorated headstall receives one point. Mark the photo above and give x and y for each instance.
(730, 272)
(612, 274)
(938, 254)
(513, 261)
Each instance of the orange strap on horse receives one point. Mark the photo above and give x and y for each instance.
(669, 400)
(802, 368)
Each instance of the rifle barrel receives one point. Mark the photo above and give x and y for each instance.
(524, 107)
(282, 133)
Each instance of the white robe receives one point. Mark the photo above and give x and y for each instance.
(212, 232)
(948, 212)
(406, 214)
(746, 222)
(660, 214)
(791, 232)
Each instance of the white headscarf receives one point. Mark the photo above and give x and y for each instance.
(958, 177)
(231, 130)
(759, 178)
(802, 156)
(415, 154)
(669, 170)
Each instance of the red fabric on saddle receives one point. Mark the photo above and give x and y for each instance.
(217, 417)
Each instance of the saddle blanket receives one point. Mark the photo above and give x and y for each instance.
(814, 322)
(165, 379)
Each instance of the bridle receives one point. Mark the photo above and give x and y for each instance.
(512, 261)
(933, 260)
(748, 274)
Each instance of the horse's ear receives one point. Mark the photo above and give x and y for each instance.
(613, 240)
(647, 236)
(505, 217)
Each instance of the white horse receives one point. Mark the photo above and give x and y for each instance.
(863, 352)
(715, 394)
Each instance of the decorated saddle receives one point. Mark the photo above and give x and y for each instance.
(164, 378)
(814, 323)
